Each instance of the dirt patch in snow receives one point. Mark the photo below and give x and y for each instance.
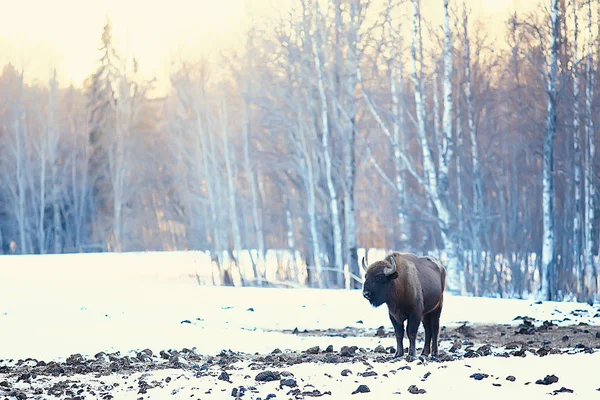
(106, 375)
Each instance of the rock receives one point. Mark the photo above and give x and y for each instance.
(289, 382)
(360, 321)
(346, 351)
(479, 376)
(250, 309)
(548, 380)
(512, 345)
(224, 377)
(562, 390)
(380, 349)
(544, 350)
(427, 374)
(268, 376)
(75, 359)
(329, 349)
(413, 389)
(496, 384)
(471, 354)
(313, 350)
(366, 374)
(295, 331)
(466, 331)
(597, 335)
(186, 321)
(445, 357)
(346, 372)
(380, 331)
(276, 351)
(485, 350)
(511, 378)
(362, 389)
(546, 326)
(526, 328)
(455, 346)
(18, 395)
(270, 396)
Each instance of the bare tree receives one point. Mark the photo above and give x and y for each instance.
(589, 166)
(477, 189)
(53, 139)
(223, 116)
(325, 136)
(548, 160)
(576, 154)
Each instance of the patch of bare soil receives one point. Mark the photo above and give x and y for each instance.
(528, 334)
(37, 379)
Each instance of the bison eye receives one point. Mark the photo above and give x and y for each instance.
(381, 278)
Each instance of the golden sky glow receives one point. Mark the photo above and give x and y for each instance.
(39, 35)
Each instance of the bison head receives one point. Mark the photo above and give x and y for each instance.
(378, 278)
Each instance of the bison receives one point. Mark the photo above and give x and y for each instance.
(413, 289)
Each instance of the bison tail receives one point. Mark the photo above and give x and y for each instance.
(443, 275)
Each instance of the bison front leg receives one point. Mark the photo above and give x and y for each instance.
(412, 326)
(399, 331)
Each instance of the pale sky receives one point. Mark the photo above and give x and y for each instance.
(40, 35)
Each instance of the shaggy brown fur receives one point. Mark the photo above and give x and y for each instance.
(414, 291)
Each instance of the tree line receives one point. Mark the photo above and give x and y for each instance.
(338, 126)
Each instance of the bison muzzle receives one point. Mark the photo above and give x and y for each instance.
(413, 289)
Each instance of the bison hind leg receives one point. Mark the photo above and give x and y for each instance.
(427, 326)
(434, 317)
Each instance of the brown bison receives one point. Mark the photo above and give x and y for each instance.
(413, 289)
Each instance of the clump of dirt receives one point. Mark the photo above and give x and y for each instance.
(362, 389)
(548, 380)
(413, 389)
(562, 390)
(479, 376)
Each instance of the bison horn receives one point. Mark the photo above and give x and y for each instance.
(364, 264)
(389, 271)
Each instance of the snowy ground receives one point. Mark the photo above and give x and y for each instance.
(51, 313)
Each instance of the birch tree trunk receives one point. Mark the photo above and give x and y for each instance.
(437, 185)
(53, 138)
(477, 188)
(231, 192)
(304, 156)
(589, 168)
(455, 271)
(19, 127)
(399, 121)
(258, 232)
(42, 148)
(459, 196)
(349, 140)
(576, 158)
(548, 163)
(335, 217)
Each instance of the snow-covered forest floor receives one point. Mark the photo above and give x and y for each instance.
(86, 334)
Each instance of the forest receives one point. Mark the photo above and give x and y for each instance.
(340, 125)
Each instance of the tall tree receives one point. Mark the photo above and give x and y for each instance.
(576, 154)
(548, 159)
(325, 138)
(589, 165)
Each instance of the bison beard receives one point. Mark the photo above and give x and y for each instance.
(413, 289)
